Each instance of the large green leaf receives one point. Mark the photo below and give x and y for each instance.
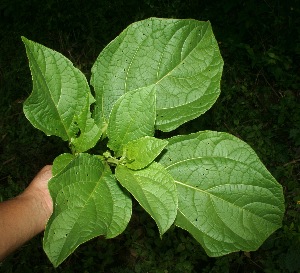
(132, 117)
(227, 199)
(154, 189)
(179, 58)
(88, 202)
(141, 152)
(60, 101)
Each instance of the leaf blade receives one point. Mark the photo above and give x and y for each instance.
(141, 152)
(227, 199)
(60, 100)
(88, 203)
(132, 117)
(179, 57)
(60, 162)
(154, 189)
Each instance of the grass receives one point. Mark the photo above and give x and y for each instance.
(259, 103)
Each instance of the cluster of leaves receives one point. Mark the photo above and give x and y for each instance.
(257, 105)
(157, 74)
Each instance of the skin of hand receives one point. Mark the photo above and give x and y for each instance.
(26, 215)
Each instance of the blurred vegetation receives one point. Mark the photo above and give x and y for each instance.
(259, 103)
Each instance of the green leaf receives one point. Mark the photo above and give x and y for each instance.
(179, 58)
(61, 162)
(227, 199)
(141, 152)
(132, 117)
(154, 189)
(61, 99)
(88, 202)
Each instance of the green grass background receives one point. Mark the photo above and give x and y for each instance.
(260, 43)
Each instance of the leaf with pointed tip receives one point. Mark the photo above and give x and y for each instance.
(132, 117)
(88, 202)
(227, 199)
(155, 190)
(179, 58)
(141, 152)
(60, 100)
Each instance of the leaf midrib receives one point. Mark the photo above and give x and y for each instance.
(212, 196)
(221, 157)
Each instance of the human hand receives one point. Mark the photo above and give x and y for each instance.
(26, 215)
(39, 189)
